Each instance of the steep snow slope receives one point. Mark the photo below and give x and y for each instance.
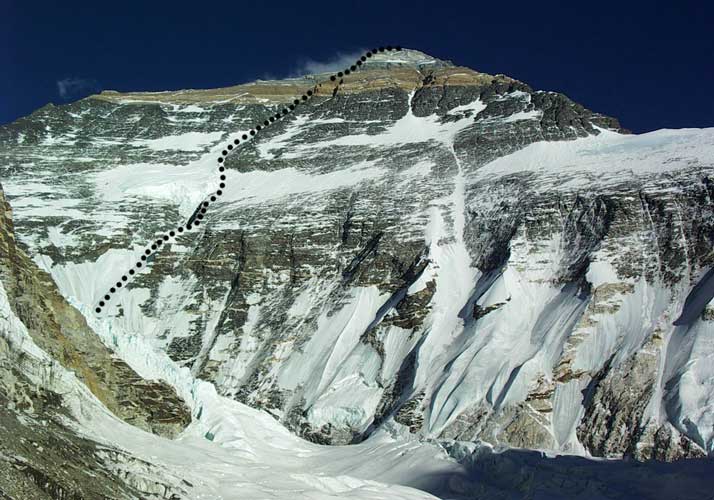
(432, 248)
(253, 455)
(231, 450)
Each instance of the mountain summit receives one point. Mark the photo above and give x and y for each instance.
(427, 255)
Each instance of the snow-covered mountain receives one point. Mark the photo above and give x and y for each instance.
(429, 262)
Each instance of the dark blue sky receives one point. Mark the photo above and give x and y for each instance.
(647, 63)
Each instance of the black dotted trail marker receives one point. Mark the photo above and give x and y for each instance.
(198, 216)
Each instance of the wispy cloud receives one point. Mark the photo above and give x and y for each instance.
(74, 87)
(339, 61)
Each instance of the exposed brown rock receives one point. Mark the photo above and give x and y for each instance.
(61, 331)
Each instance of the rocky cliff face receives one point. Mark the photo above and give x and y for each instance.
(52, 367)
(431, 246)
(61, 331)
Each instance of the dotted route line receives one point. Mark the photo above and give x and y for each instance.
(200, 213)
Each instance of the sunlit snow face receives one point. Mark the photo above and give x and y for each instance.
(607, 158)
